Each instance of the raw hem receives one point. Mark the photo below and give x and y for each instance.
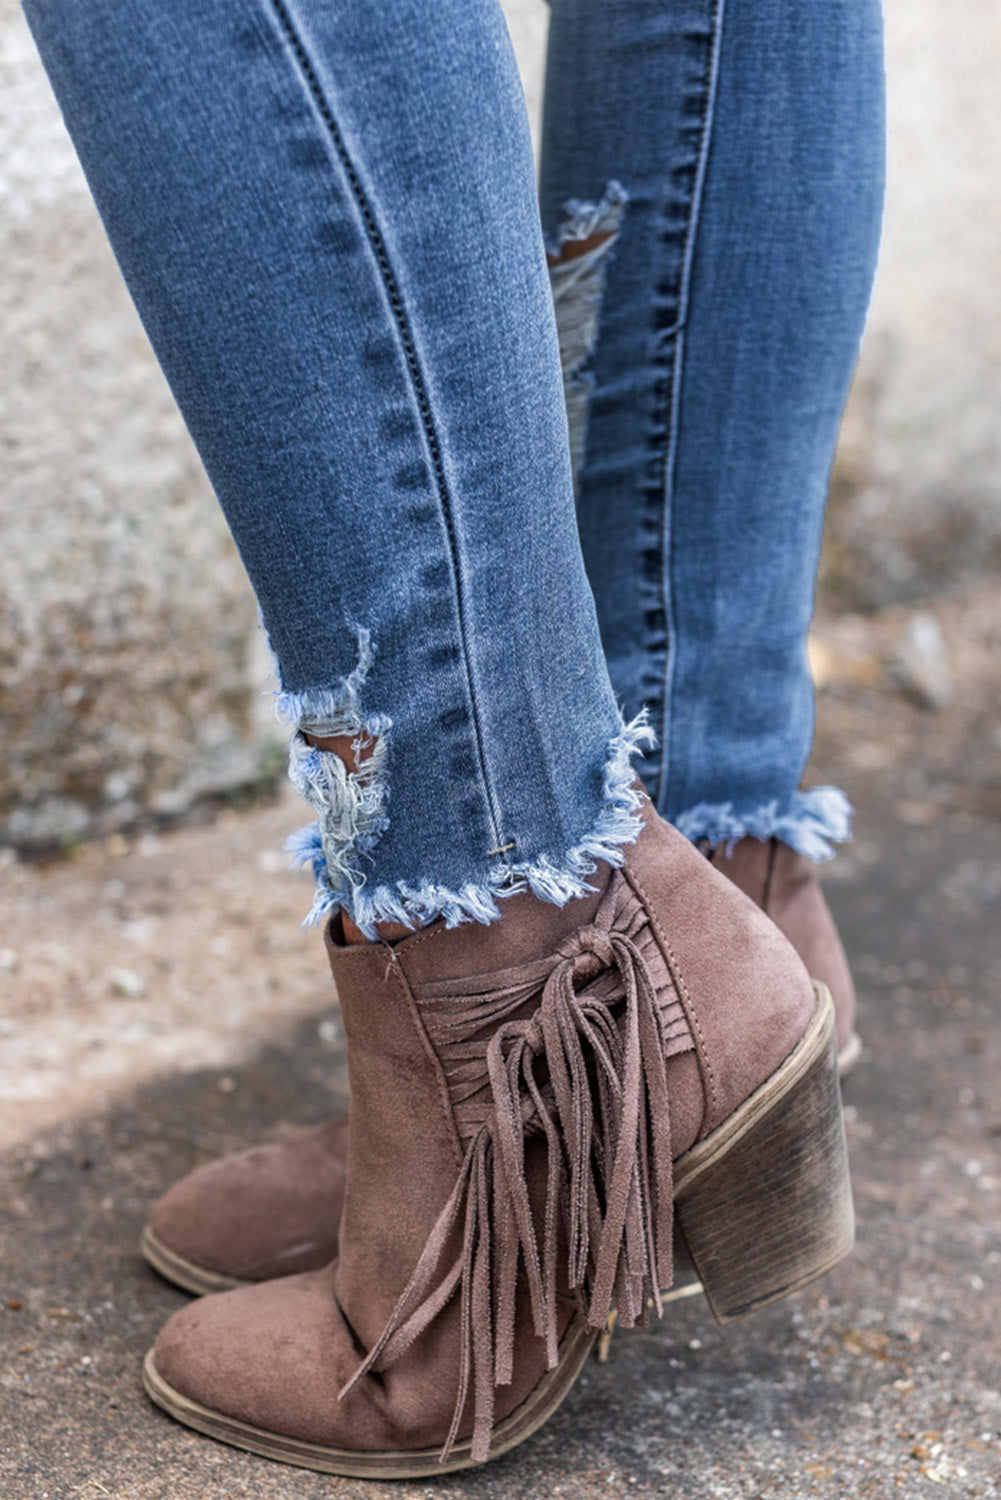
(558, 881)
(807, 823)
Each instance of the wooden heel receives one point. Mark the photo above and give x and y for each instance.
(765, 1201)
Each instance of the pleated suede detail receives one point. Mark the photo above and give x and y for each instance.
(461, 1014)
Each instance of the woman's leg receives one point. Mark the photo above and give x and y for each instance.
(726, 158)
(326, 214)
(327, 217)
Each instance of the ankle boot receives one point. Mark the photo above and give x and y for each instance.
(531, 1102)
(276, 1209)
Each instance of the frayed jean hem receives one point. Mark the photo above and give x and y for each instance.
(341, 884)
(810, 822)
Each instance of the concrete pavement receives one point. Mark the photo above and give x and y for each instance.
(884, 1379)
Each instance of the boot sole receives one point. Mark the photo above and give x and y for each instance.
(184, 1273)
(849, 1054)
(765, 1207)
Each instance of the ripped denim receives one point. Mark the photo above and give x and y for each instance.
(328, 219)
(746, 137)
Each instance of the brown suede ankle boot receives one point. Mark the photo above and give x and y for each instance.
(276, 1209)
(530, 1103)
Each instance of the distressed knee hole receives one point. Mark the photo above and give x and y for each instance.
(578, 263)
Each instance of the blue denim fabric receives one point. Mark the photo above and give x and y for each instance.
(746, 138)
(326, 214)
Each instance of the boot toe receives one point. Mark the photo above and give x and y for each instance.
(273, 1357)
(271, 1211)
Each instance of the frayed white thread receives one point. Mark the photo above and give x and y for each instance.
(351, 805)
(582, 219)
(808, 823)
(618, 824)
(352, 815)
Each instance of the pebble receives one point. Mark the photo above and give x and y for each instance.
(922, 668)
(127, 982)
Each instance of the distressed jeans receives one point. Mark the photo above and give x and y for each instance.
(328, 218)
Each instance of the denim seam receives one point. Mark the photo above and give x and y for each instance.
(677, 376)
(378, 247)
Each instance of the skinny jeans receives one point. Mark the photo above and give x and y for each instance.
(497, 504)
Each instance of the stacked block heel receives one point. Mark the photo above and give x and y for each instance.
(764, 1202)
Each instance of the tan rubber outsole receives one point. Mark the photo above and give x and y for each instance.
(184, 1273)
(849, 1055)
(576, 1343)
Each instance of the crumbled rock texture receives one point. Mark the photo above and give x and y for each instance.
(130, 673)
(917, 487)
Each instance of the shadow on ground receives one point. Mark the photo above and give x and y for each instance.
(883, 1379)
